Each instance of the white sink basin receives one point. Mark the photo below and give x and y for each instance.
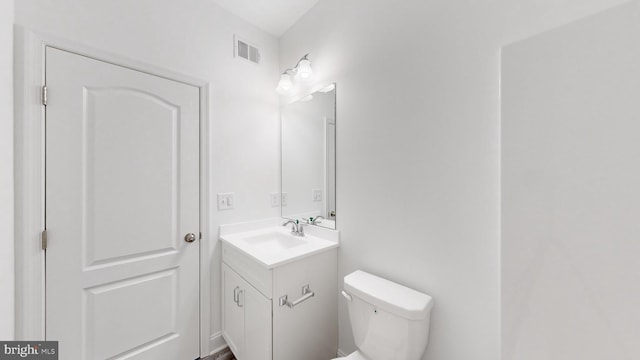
(273, 241)
(274, 246)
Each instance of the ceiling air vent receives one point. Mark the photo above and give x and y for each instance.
(245, 50)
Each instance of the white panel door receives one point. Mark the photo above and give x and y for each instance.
(122, 191)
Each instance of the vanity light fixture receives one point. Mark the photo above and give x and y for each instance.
(285, 84)
(302, 72)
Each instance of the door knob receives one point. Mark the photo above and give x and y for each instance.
(190, 237)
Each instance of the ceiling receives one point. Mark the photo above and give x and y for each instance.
(272, 16)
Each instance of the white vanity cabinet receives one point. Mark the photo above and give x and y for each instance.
(257, 325)
(247, 317)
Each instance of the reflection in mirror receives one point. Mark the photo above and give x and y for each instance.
(309, 158)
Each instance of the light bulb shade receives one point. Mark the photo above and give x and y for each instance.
(284, 85)
(304, 70)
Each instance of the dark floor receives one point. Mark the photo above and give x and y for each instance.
(224, 354)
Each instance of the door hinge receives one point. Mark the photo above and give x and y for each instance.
(200, 235)
(44, 239)
(44, 95)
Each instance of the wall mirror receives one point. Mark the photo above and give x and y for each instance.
(309, 158)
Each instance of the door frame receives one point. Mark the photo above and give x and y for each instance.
(29, 147)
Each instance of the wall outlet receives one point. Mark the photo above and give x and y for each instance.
(275, 199)
(316, 195)
(226, 201)
(284, 199)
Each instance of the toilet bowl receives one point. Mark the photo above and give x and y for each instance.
(389, 321)
(353, 356)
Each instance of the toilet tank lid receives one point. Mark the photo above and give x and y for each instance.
(387, 295)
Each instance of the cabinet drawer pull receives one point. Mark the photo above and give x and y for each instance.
(235, 295)
(306, 295)
(240, 295)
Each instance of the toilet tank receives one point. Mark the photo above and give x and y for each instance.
(389, 321)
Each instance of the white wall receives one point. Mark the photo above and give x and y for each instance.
(6, 170)
(571, 191)
(194, 37)
(418, 134)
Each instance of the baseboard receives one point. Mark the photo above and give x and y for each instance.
(217, 343)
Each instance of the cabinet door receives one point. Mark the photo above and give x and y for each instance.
(233, 315)
(257, 324)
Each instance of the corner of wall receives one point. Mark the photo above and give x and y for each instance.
(7, 279)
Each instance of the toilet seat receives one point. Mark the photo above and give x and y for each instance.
(356, 355)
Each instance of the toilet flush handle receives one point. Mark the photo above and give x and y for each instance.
(347, 296)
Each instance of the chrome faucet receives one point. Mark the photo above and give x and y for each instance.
(296, 227)
(314, 221)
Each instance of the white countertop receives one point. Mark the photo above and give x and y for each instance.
(272, 244)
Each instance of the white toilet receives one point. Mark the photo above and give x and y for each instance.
(389, 321)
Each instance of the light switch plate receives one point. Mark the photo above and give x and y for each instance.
(316, 195)
(226, 201)
(284, 198)
(275, 199)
